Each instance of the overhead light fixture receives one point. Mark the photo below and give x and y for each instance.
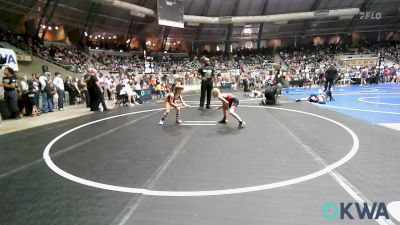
(128, 41)
(49, 28)
(109, 38)
(102, 38)
(121, 51)
(44, 26)
(86, 34)
(56, 27)
(90, 36)
(178, 42)
(97, 47)
(95, 37)
(115, 37)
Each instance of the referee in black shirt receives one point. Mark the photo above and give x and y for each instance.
(331, 75)
(206, 74)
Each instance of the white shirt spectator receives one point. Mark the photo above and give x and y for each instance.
(107, 83)
(59, 83)
(42, 81)
(137, 87)
(127, 90)
(101, 81)
(125, 81)
(24, 86)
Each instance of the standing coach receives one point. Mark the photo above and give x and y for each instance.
(206, 74)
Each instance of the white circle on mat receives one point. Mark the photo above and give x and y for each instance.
(326, 170)
(363, 99)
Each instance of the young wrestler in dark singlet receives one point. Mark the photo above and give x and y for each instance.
(171, 101)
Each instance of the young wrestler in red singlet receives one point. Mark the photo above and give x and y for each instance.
(229, 102)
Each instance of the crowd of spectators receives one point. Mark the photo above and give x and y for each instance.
(66, 56)
(390, 50)
(127, 76)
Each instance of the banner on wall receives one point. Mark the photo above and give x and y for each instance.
(8, 58)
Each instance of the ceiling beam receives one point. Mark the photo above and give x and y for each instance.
(46, 7)
(133, 22)
(260, 29)
(314, 7)
(91, 17)
(397, 27)
(204, 11)
(50, 17)
(165, 37)
(230, 27)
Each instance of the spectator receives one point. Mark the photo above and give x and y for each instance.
(85, 92)
(96, 92)
(36, 89)
(24, 89)
(45, 89)
(59, 85)
(10, 92)
(107, 85)
(128, 91)
(77, 91)
(33, 95)
(70, 88)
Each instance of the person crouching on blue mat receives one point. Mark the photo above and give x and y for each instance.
(320, 98)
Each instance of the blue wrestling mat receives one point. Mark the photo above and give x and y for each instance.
(372, 103)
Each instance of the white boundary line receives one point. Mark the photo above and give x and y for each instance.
(343, 182)
(198, 124)
(71, 147)
(378, 103)
(190, 121)
(326, 170)
(361, 110)
(376, 93)
(335, 90)
(240, 100)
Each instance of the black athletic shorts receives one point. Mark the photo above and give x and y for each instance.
(32, 98)
(233, 102)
